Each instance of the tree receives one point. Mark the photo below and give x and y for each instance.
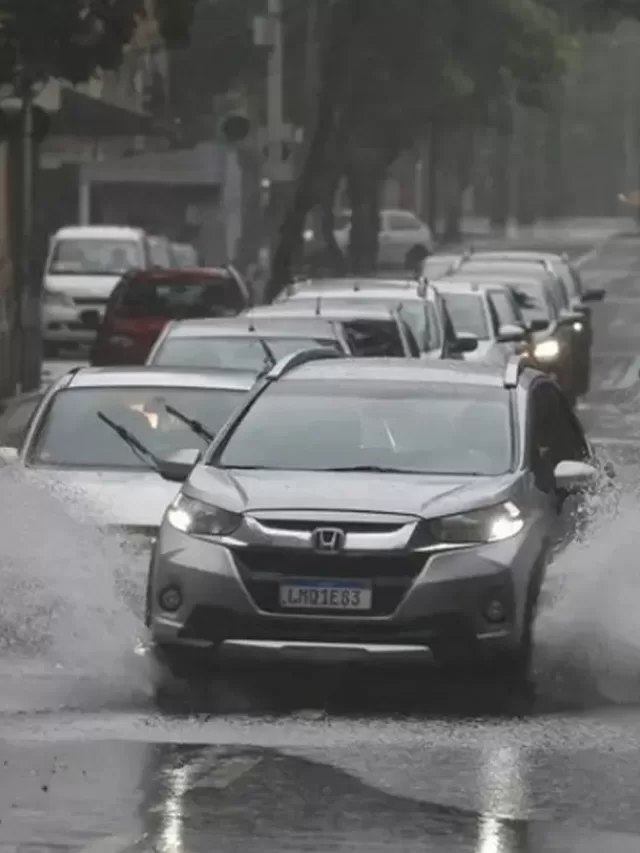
(412, 64)
(68, 39)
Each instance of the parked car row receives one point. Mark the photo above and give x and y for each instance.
(369, 466)
(83, 266)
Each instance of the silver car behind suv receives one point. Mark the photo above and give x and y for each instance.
(372, 506)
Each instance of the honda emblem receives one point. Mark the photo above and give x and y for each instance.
(328, 539)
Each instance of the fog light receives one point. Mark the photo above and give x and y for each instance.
(170, 599)
(495, 611)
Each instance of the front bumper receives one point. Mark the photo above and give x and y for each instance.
(66, 324)
(421, 602)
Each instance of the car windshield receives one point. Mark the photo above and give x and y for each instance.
(74, 437)
(530, 297)
(467, 314)
(179, 298)
(235, 353)
(94, 256)
(411, 427)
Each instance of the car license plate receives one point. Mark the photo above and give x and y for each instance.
(325, 595)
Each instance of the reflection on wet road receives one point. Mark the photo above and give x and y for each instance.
(300, 758)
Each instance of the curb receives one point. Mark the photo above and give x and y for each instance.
(588, 256)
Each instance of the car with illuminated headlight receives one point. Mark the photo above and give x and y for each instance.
(362, 507)
(576, 338)
(553, 330)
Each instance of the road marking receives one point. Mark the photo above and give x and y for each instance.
(631, 376)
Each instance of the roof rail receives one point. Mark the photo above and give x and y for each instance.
(513, 370)
(301, 357)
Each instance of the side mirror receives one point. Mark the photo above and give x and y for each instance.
(594, 294)
(178, 466)
(572, 476)
(465, 343)
(538, 325)
(510, 333)
(8, 455)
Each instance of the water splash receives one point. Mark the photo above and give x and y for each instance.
(588, 634)
(71, 592)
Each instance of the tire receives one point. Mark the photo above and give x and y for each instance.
(181, 674)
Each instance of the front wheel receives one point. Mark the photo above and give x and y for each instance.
(182, 673)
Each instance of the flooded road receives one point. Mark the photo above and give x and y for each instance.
(307, 759)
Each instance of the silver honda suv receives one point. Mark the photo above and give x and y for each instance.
(373, 506)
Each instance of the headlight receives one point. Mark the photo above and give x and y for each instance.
(547, 350)
(483, 525)
(199, 519)
(53, 297)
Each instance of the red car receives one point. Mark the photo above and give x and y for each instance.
(144, 301)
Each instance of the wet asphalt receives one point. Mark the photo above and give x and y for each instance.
(284, 758)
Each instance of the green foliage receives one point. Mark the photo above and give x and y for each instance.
(63, 38)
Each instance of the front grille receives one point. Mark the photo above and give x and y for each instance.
(391, 576)
(347, 526)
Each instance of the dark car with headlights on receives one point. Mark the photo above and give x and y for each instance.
(325, 517)
(552, 331)
(577, 345)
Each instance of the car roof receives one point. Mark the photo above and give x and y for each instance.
(245, 325)
(106, 232)
(406, 293)
(522, 254)
(477, 283)
(360, 282)
(160, 377)
(303, 309)
(185, 273)
(506, 279)
(458, 285)
(508, 264)
(399, 370)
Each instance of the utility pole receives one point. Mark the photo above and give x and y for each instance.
(274, 88)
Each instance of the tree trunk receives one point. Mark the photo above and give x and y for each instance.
(363, 189)
(460, 178)
(500, 179)
(432, 179)
(343, 26)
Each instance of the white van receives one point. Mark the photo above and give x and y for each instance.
(84, 264)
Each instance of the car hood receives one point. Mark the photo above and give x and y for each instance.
(85, 286)
(402, 494)
(119, 498)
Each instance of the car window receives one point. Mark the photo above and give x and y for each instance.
(94, 256)
(237, 353)
(468, 314)
(73, 436)
(555, 434)
(505, 310)
(421, 316)
(374, 338)
(160, 252)
(178, 298)
(401, 222)
(420, 427)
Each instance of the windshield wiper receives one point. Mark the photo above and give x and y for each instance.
(196, 427)
(143, 453)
